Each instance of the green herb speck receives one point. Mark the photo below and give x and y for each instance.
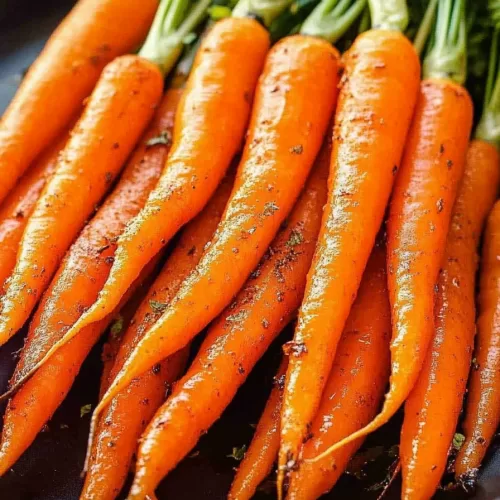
(164, 138)
(158, 307)
(85, 409)
(238, 453)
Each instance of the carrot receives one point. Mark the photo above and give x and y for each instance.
(376, 102)
(75, 287)
(118, 110)
(236, 341)
(421, 207)
(64, 74)
(434, 405)
(261, 455)
(355, 385)
(208, 132)
(129, 413)
(482, 414)
(17, 207)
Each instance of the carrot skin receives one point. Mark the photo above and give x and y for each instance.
(482, 413)
(75, 287)
(376, 101)
(243, 333)
(94, 33)
(19, 204)
(126, 417)
(284, 137)
(433, 407)
(209, 129)
(119, 109)
(263, 450)
(355, 385)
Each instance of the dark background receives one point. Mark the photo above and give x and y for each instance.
(50, 469)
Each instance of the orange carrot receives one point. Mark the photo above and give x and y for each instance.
(117, 112)
(64, 74)
(76, 285)
(376, 102)
(433, 407)
(17, 207)
(236, 341)
(355, 385)
(129, 413)
(261, 455)
(420, 212)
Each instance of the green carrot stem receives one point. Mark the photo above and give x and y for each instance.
(425, 27)
(389, 14)
(267, 10)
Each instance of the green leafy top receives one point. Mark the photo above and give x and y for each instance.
(267, 10)
(389, 14)
(447, 55)
(332, 18)
(290, 20)
(174, 21)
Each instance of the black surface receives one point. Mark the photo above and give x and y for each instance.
(50, 469)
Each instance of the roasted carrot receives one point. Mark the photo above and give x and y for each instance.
(17, 207)
(236, 341)
(75, 287)
(263, 450)
(376, 102)
(421, 207)
(355, 385)
(128, 414)
(482, 415)
(116, 114)
(434, 405)
(64, 74)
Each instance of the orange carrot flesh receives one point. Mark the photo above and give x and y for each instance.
(75, 287)
(482, 414)
(117, 112)
(355, 385)
(285, 135)
(64, 74)
(376, 102)
(236, 341)
(209, 129)
(263, 450)
(17, 207)
(128, 414)
(433, 407)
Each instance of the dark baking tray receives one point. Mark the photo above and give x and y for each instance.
(50, 469)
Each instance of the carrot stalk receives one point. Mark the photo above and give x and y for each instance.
(236, 340)
(64, 74)
(355, 385)
(376, 102)
(482, 414)
(75, 287)
(128, 414)
(421, 207)
(19, 204)
(213, 103)
(267, 10)
(263, 450)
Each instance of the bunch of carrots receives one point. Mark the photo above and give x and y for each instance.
(236, 175)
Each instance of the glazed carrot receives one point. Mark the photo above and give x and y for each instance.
(376, 102)
(421, 207)
(355, 385)
(284, 137)
(209, 129)
(35, 402)
(64, 74)
(116, 114)
(482, 415)
(236, 341)
(17, 207)
(261, 455)
(75, 287)
(128, 414)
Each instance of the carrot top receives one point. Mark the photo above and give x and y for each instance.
(447, 56)
(331, 18)
(267, 10)
(389, 15)
(173, 22)
(488, 128)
